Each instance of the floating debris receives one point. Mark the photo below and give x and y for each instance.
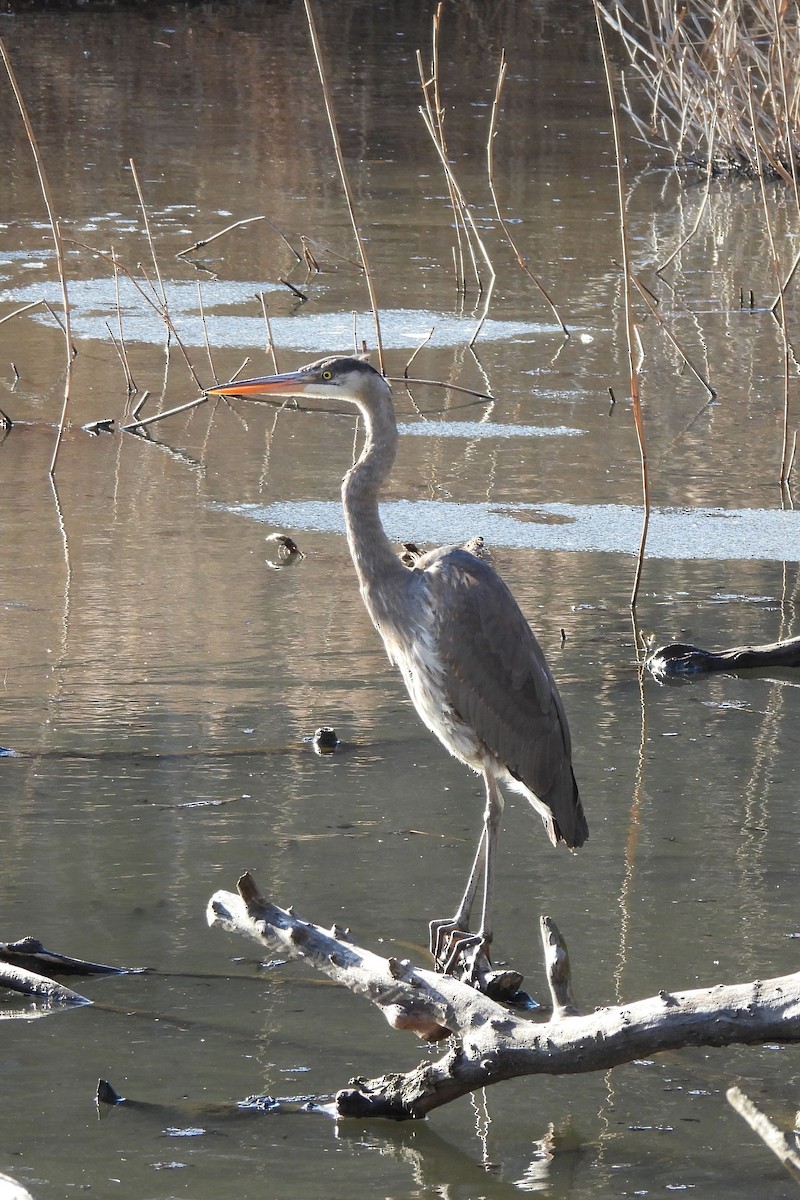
(284, 551)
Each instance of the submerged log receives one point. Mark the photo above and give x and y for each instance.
(17, 979)
(29, 953)
(681, 658)
(493, 1043)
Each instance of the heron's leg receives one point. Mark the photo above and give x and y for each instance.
(464, 910)
(492, 820)
(450, 940)
(448, 933)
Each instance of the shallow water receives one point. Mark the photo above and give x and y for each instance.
(160, 681)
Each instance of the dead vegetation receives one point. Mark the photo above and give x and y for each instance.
(715, 85)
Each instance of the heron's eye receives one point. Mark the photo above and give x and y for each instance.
(327, 374)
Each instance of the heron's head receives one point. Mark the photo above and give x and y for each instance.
(339, 377)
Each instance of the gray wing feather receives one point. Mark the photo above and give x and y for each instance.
(498, 681)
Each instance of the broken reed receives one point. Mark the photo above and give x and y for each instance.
(718, 84)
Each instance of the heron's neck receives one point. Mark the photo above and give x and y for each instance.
(373, 555)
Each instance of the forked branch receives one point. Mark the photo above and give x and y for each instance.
(490, 1042)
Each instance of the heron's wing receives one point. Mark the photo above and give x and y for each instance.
(498, 681)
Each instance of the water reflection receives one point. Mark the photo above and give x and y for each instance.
(168, 677)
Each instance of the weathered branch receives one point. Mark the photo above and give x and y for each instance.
(494, 1043)
(17, 979)
(774, 1138)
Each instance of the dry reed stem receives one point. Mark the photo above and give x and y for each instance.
(362, 251)
(786, 283)
(150, 243)
(57, 242)
(229, 229)
(122, 350)
(433, 105)
(270, 347)
(792, 456)
(300, 294)
(696, 63)
(436, 112)
(324, 248)
(433, 116)
(780, 316)
(629, 324)
(116, 346)
(501, 76)
(784, 114)
(205, 333)
(46, 304)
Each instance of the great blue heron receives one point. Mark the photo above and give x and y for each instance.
(473, 668)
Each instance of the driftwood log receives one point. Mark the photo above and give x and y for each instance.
(491, 1043)
(682, 659)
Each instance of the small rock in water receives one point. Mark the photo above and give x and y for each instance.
(325, 740)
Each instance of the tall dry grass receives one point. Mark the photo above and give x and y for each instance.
(716, 84)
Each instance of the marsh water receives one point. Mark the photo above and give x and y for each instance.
(161, 679)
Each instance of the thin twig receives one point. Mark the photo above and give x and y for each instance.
(442, 383)
(57, 242)
(18, 311)
(422, 344)
(150, 242)
(169, 412)
(237, 225)
(362, 251)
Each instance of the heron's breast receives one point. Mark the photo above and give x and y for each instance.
(426, 680)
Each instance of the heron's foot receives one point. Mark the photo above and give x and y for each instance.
(446, 940)
(465, 956)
